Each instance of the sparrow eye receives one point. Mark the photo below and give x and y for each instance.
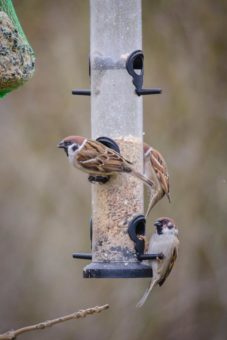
(170, 226)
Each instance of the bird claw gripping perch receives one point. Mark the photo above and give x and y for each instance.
(136, 231)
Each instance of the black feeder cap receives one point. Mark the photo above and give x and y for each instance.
(98, 270)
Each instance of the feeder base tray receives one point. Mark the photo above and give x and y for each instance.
(98, 270)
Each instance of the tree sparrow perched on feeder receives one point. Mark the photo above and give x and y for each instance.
(95, 158)
(155, 168)
(164, 241)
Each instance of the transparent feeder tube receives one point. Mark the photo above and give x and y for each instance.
(116, 112)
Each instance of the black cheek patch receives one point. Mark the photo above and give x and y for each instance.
(159, 230)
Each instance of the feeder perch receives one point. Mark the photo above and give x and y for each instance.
(116, 71)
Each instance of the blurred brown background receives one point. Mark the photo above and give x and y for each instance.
(45, 204)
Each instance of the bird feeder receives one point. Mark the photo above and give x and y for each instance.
(17, 59)
(116, 71)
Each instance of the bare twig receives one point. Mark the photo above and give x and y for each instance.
(42, 325)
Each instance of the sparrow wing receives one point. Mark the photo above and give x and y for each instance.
(96, 157)
(170, 267)
(159, 164)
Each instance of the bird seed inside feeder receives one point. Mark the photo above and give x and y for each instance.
(114, 205)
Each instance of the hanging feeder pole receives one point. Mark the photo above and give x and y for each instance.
(116, 112)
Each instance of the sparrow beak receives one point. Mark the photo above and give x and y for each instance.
(61, 145)
(158, 224)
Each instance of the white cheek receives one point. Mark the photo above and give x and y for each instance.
(169, 231)
(165, 230)
(71, 155)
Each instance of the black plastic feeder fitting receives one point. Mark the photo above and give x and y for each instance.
(135, 68)
(136, 231)
(85, 256)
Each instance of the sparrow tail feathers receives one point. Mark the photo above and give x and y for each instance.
(168, 196)
(145, 296)
(143, 178)
(152, 203)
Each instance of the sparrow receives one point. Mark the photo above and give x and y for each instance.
(95, 158)
(164, 241)
(155, 168)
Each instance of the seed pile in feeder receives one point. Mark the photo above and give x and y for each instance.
(17, 60)
(114, 205)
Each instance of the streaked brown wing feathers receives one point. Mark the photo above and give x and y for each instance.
(99, 158)
(160, 168)
(170, 267)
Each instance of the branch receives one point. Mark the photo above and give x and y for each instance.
(42, 325)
